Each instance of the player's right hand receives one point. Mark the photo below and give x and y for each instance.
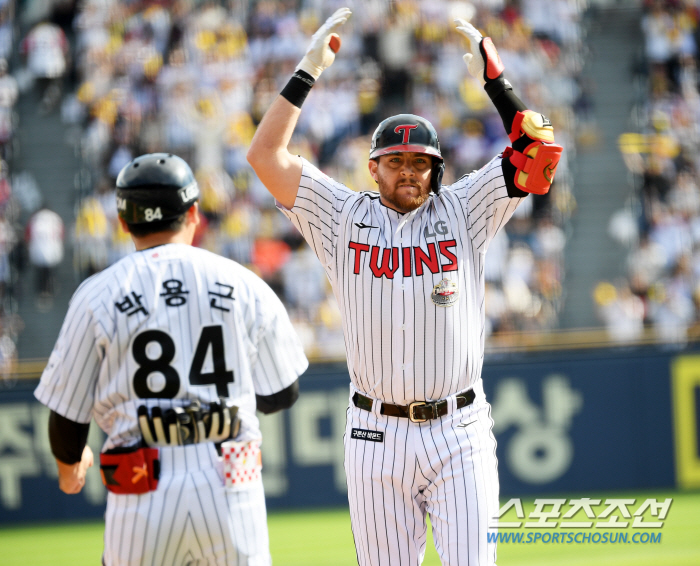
(319, 55)
(71, 477)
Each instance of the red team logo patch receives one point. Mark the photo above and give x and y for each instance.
(406, 131)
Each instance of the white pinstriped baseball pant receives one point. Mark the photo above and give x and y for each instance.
(444, 467)
(191, 519)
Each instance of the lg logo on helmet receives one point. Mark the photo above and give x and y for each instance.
(189, 193)
(406, 131)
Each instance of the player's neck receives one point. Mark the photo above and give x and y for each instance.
(161, 238)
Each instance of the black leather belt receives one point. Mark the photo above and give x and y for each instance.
(418, 411)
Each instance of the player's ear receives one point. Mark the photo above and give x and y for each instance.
(193, 214)
(124, 225)
(373, 165)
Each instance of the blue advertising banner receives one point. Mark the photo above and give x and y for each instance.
(565, 422)
(28, 479)
(582, 421)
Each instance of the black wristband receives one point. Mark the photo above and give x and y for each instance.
(298, 87)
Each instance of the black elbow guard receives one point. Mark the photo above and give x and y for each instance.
(268, 404)
(67, 438)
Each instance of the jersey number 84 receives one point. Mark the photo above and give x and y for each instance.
(211, 336)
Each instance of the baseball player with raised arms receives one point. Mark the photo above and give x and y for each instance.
(170, 350)
(406, 266)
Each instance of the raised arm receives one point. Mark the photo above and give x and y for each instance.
(529, 165)
(279, 170)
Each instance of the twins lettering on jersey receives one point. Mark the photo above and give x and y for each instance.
(384, 262)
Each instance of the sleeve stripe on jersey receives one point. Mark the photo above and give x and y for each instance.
(347, 191)
(504, 215)
(484, 224)
(318, 194)
(475, 222)
(300, 196)
(308, 187)
(319, 217)
(314, 225)
(83, 354)
(484, 197)
(473, 179)
(269, 365)
(485, 173)
(300, 227)
(106, 312)
(343, 196)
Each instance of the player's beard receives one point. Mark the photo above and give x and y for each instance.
(403, 203)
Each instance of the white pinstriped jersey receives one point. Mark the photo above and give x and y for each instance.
(383, 267)
(165, 326)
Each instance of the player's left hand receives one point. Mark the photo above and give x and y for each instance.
(482, 60)
(319, 55)
(71, 477)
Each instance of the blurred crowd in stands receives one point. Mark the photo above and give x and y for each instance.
(194, 78)
(662, 224)
(10, 325)
(31, 235)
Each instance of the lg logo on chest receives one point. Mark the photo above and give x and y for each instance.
(440, 227)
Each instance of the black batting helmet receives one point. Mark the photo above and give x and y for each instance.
(409, 133)
(155, 187)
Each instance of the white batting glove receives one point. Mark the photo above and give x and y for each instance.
(473, 59)
(319, 55)
(155, 431)
(217, 423)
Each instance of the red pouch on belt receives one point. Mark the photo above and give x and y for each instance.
(135, 471)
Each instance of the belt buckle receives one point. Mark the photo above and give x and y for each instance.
(412, 418)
